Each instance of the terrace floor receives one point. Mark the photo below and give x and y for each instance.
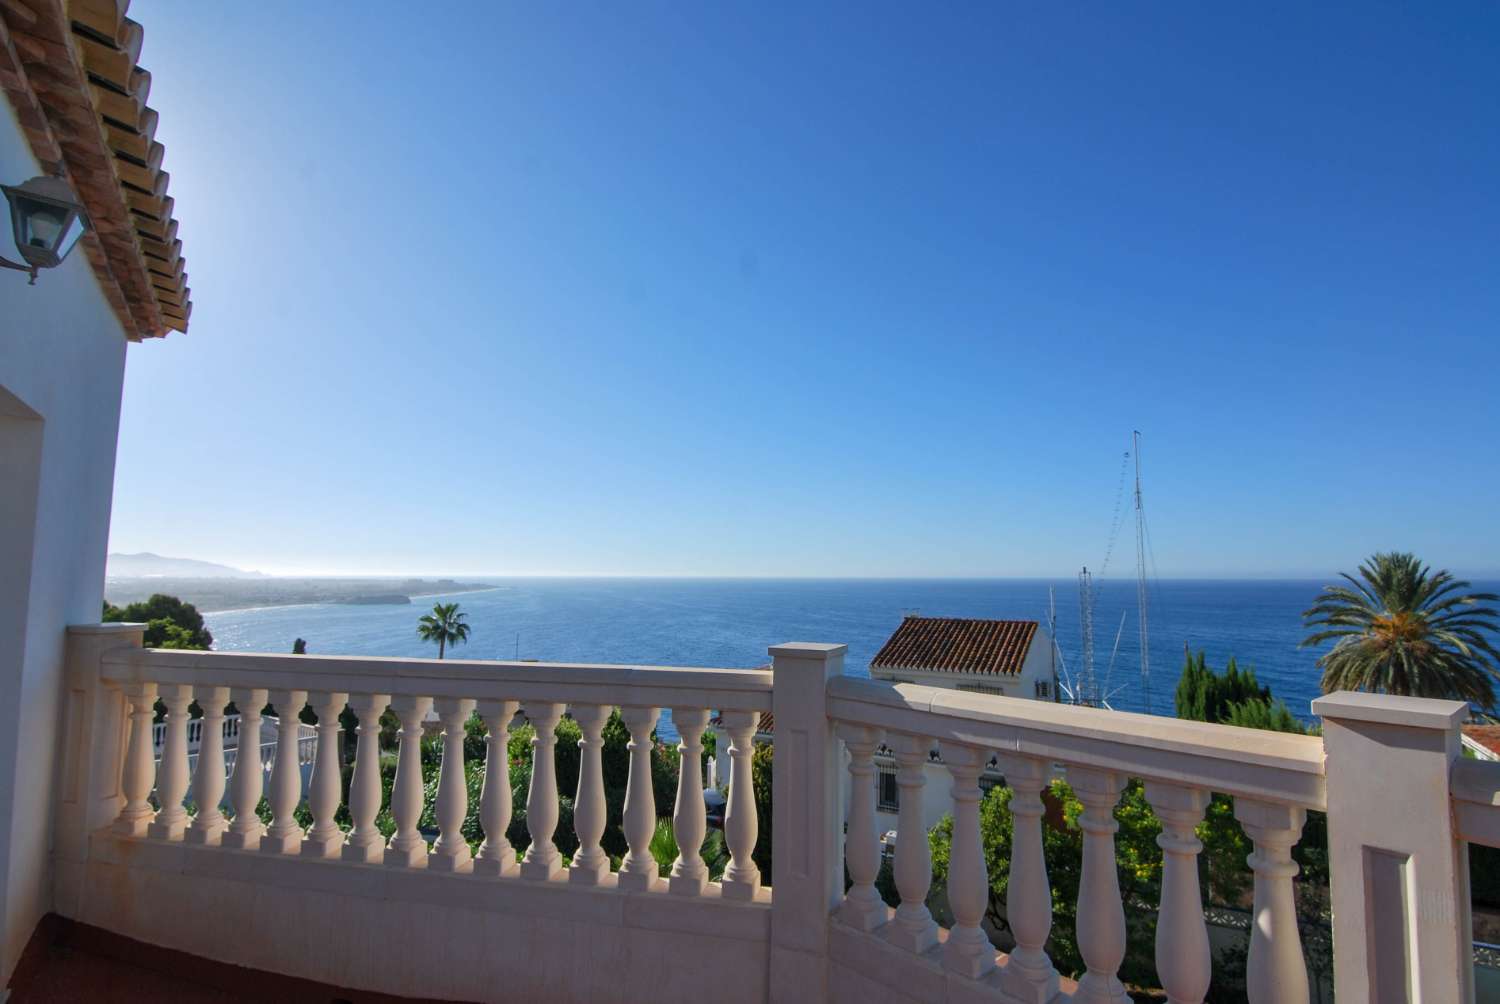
(68, 962)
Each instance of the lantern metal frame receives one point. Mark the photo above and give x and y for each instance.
(24, 200)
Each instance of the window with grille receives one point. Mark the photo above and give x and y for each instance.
(887, 794)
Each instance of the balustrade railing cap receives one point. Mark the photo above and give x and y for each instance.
(1387, 709)
(806, 650)
(113, 627)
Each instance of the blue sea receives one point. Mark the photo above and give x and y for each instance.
(730, 623)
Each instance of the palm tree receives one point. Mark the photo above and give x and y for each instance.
(1405, 630)
(445, 625)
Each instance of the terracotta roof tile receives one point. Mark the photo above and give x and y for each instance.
(1487, 736)
(957, 645)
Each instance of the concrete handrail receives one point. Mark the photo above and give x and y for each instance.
(1476, 801)
(1254, 763)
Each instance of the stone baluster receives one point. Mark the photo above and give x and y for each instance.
(913, 929)
(324, 839)
(1276, 970)
(638, 870)
(689, 820)
(140, 754)
(1029, 975)
(450, 852)
(365, 843)
(496, 855)
(172, 776)
(542, 859)
(862, 907)
(741, 825)
(284, 836)
(208, 823)
(1184, 962)
(1101, 915)
(590, 864)
(408, 848)
(968, 950)
(249, 775)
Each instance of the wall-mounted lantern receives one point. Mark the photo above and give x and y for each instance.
(46, 221)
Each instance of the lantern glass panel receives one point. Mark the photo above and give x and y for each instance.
(71, 236)
(43, 225)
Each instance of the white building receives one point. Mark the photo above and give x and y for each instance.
(74, 108)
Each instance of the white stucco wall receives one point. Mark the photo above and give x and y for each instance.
(62, 364)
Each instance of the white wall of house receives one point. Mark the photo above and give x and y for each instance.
(62, 364)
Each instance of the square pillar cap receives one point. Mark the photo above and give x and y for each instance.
(1388, 709)
(806, 650)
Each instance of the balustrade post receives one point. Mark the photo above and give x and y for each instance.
(245, 831)
(913, 929)
(140, 757)
(324, 839)
(1399, 872)
(450, 852)
(496, 855)
(208, 823)
(542, 860)
(862, 907)
(283, 835)
(968, 950)
(1029, 974)
(1101, 915)
(407, 848)
(172, 775)
(590, 863)
(741, 879)
(807, 878)
(1184, 963)
(689, 820)
(638, 870)
(365, 843)
(1276, 970)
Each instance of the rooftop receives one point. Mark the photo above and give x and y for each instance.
(957, 645)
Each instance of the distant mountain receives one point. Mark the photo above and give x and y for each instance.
(147, 565)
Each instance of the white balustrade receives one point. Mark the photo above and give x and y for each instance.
(968, 950)
(324, 839)
(450, 852)
(639, 870)
(1029, 975)
(542, 860)
(208, 823)
(741, 879)
(862, 907)
(364, 842)
(245, 831)
(913, 929)
(283, 835)
(1101, 915)
(496, 855)
(1275, 971)
(135, 777)
(407, 848)
(689, 820)
(590, 863)
(172, 773)
(1184, 962)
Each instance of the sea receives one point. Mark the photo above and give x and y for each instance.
(731, 622)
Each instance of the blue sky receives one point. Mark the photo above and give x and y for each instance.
(873, 289)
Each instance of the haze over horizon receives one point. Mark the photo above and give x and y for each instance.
(845, 292)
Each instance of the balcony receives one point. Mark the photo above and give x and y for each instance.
(401, 916)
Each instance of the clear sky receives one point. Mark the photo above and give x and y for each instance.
(877, 289)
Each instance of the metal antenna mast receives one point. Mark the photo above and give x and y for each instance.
(1088, 689)
(1140, 573)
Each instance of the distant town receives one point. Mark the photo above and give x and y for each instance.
(131, 578)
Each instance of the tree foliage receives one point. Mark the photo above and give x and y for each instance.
(170, 623)
(1205, 696)
(1400, 628)
(446, 625)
